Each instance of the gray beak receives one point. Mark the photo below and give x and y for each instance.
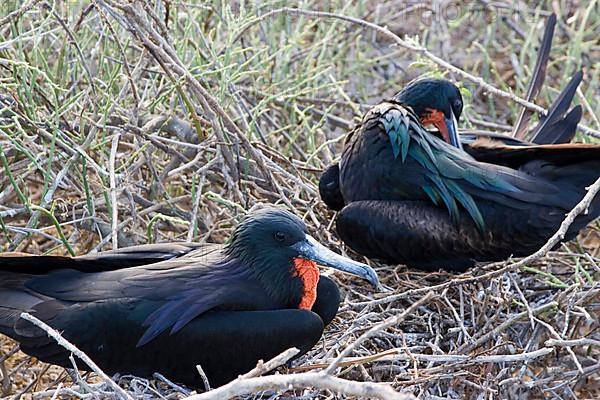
(315, 251)
(452, 126)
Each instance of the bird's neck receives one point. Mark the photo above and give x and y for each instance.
(281, 279)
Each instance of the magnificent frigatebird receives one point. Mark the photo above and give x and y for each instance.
(438, 102)
(409, 197)
(169, 307)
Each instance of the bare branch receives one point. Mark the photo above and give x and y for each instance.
(378, 328)
(319, 380)
(264, 367)
(401, 355)
(412, 47)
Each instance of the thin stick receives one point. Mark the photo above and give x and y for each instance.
(506, 324)
(264, 367)
(434, 358)
(319, 380)
(204, 377)
(113, 191)
(82, 58)
(18, 12)
(394, 320)
(573, 342)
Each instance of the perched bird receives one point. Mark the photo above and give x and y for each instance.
(409, 197)
(438, 207)
(438, 102)
(413, 199)
(169, 307)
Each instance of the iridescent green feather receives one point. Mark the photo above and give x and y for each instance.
(444, 166)
(467, 202)
(396, 123)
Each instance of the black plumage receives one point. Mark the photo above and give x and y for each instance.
(410, 198)
(168, 307)
(558, 127)
(393, 223)
(538, 77)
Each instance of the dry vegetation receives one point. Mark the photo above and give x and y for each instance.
(133, 122)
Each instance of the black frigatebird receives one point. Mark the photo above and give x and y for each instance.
(420, 234)
(443, 110)
(412, 198)
(169, 307)
(409, 197)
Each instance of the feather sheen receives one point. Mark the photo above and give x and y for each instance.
(445, 168)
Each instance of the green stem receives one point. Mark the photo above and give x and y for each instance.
(56, 224)
(162, 217)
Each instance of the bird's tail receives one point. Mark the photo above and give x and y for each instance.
(537, 78)
(31, 264)
(560, 126)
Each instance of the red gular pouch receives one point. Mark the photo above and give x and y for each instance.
(308, 272)
(436, 118)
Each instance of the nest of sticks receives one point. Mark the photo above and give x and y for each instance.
(135, 133)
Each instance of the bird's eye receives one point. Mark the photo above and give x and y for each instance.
(457, 103)
(280, 236)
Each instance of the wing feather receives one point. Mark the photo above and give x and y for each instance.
(451, 176)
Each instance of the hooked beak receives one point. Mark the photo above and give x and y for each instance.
(451, 134)
(315, 251)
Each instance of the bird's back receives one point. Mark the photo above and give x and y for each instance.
(166, 294)
(426, 168)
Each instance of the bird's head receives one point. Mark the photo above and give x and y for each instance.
(437, 102)
(284, 257)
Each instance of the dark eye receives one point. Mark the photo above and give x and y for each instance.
(457, 103)
(280, 236)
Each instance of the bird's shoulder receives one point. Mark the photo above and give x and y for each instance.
(389, 111)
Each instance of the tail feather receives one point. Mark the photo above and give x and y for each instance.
(517, 156)
(560, 131)
(576, 176)
(104, 261)
(32, 264)
(552, 127)
(538, 77)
